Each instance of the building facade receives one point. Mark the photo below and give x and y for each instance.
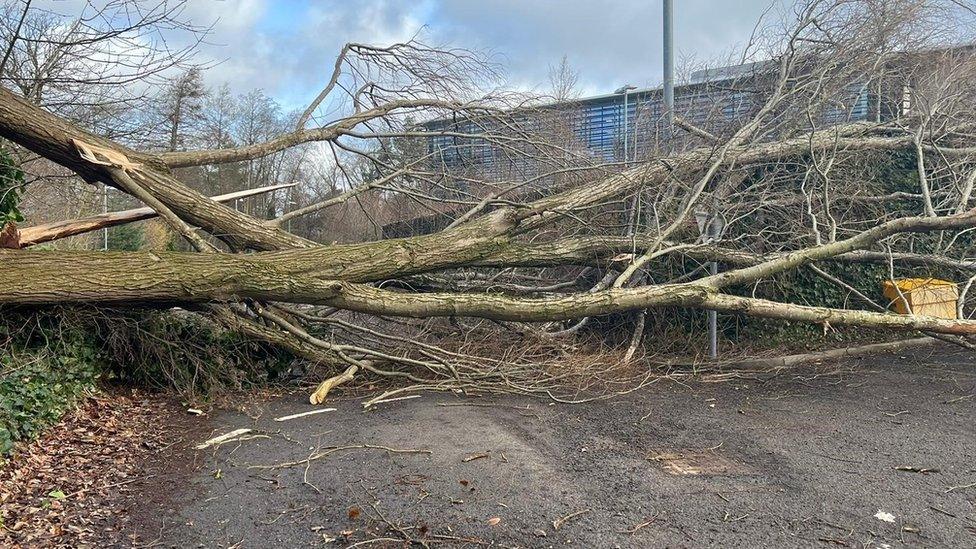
(630, 125)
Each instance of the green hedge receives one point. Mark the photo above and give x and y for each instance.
(38, 385)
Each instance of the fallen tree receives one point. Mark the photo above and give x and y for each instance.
(798, 192)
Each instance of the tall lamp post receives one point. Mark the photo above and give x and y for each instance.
(669, 64)
(711, 226)
(625, 90)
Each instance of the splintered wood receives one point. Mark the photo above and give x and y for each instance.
(303, 414)
(218, 440)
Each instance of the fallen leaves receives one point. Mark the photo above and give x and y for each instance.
(64, 488)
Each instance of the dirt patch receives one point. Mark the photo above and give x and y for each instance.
(74, 485)
(706, 462)
(807, 457)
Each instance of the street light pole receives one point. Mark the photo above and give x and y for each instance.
(625, 90)
(711, 226)
(669, 64)
(714, 231)
(626, 133)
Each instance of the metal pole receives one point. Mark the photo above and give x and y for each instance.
(713, 322)
(669, 63)
(625, 124)
(715, 228)
(636, 120)
(291, 203)
(105, 211)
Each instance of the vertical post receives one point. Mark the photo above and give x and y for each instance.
(716, 225)
(713, 321)
(104, 212)
(636, 119)
(289, 206)
(669, 64)
(625, 124)
(711, 225)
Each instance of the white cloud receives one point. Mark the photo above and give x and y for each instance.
(287, 47)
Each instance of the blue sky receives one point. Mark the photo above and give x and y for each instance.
(287, 47)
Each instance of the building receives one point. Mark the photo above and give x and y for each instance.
(631, 125)
(604, 126)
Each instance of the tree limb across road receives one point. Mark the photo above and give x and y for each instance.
(560, 235)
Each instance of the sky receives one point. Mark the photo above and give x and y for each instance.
(288, 47)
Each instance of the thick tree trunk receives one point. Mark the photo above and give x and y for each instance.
(145, 278)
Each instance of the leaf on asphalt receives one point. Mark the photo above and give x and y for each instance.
(884, 516)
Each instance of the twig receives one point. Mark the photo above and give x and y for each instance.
(473, 457)
(912, 469)
(946, 513)
(333, 449)
(370, 403)
(639, 526)
(482, 405)
(962, 487)
(226, 437)
(303, 414)
(403, 533)
(458, 538)
(371, 541)
(558, 523)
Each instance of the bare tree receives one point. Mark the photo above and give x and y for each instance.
(181, 105)
(563, 81)
(97, 66)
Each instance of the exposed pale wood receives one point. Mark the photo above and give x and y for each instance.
(372, 403)
(38, 234)
(218, 440)
(322, 391)
(303, 414)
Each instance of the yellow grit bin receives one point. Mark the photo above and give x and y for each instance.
(924, 296)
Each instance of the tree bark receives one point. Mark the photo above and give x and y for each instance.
(113, 278)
